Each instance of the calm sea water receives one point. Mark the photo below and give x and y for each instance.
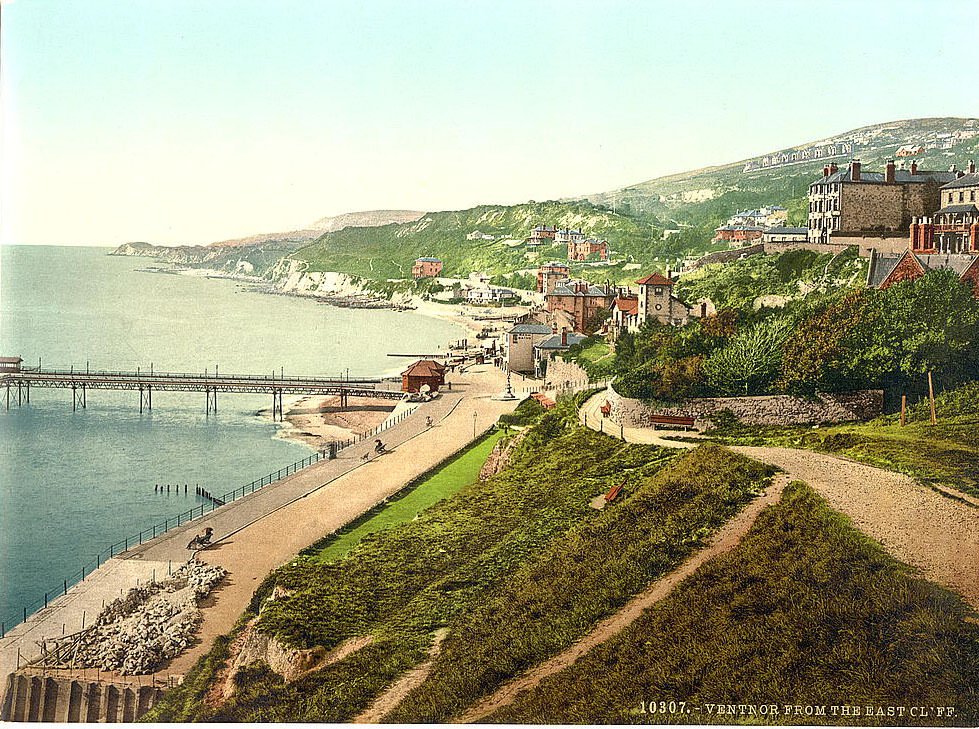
(73, 482)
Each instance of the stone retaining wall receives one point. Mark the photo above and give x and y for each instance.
(833, 407)
(560, 372)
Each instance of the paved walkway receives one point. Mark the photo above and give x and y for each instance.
(263, 530)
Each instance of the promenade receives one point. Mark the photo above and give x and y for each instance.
(261, 531)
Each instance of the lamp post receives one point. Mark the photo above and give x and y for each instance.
(474, 424)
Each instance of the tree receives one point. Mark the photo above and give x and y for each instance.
(749, 363)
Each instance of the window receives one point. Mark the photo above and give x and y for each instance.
(972, 196)
(961, 197)
(658, 291)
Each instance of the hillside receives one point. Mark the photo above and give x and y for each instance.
(362, 219)
(388, 251)
(703, 199)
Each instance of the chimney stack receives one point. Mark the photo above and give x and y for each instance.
(833, 169)
(972, 167)
(914, 167)
(889, 171)
(855, 170)
(564, 337)
(826, 171)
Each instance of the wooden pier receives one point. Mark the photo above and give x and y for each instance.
(18, 384)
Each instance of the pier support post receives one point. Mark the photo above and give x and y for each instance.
(8, 396)
(210, 400)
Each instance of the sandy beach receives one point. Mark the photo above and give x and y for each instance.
(316, 421)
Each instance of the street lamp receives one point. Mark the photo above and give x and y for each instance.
(474, 425)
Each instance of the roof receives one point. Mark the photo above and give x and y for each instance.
(555, 341)
(779, 230)
(567, 288)
(531, 329)
(568, 231)
(428, 260)
(969, 180)
(10, 360)
(627, 304)
(655, 279)
(877, 178)
(555, 264)
(882, 265)
(546, 228)
(425, 368)
(966, 208)
(741, 227)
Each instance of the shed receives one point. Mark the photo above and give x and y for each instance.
(10, 364)
(421, 373)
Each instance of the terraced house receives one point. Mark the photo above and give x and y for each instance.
(847, 204)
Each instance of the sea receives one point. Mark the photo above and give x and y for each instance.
(73, 482)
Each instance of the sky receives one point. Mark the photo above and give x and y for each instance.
(191, 121)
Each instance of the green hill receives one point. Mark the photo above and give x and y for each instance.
(632, 218)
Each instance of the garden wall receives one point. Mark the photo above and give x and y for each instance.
(560, 373)
(833, 407)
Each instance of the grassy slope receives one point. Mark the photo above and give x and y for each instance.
(446, 480)
(946, 453)
(515, 551)
(806, 610)
(388, 251)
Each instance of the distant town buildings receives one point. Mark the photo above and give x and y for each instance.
(542, 234)
(566, 236)
(737, 236)
(549, 274)
(789, 157)
(748, 226)
(581, 299)
(578, 246)
(909, 150)
(853, 200)
(478, 235)
(765, 217)
(426, 268)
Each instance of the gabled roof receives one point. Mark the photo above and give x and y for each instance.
(969, 180)
(779, 230)
(958, 262)
(567, 288)
(428, 260)
(882, 265)
(425, 368)
(655, 279)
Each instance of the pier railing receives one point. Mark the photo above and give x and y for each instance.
(181, 519)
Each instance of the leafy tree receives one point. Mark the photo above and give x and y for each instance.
(749, 363)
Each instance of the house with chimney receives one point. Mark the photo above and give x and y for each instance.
(426, 268)
(546, 350)
(582, 249)
(542, 234)
(954, 227)
(854, 206)
(887, 269)
(580, 299)
(521, 340)
(567, 236)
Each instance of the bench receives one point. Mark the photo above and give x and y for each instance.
(613, 493)
(676, 421)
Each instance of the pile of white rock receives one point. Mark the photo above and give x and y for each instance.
(141, 631)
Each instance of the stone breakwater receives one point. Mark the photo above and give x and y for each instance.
(139, 632)
(826, 407)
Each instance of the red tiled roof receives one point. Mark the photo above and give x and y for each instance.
(425, 368)
(656, 279)
(629, 306)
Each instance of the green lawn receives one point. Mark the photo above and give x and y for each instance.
(462, 470)
(805, 611)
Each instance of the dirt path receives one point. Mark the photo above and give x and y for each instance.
(934, 533)
(396, 692)
(724, 540)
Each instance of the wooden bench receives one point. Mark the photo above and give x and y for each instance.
(677, 421)
(613, 493)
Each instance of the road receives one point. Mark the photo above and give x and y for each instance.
(263, 530)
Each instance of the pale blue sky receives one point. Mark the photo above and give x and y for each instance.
(188, 121)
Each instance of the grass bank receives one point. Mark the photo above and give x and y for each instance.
(805, 611)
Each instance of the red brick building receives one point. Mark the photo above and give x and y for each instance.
(426, 268)
(738, 235)
(580, 250)
(953, 228)
(542, 233)
(580, 299)
(550, 274)
(421, 373)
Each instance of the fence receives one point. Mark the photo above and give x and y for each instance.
(184, 517)
(562, 388)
